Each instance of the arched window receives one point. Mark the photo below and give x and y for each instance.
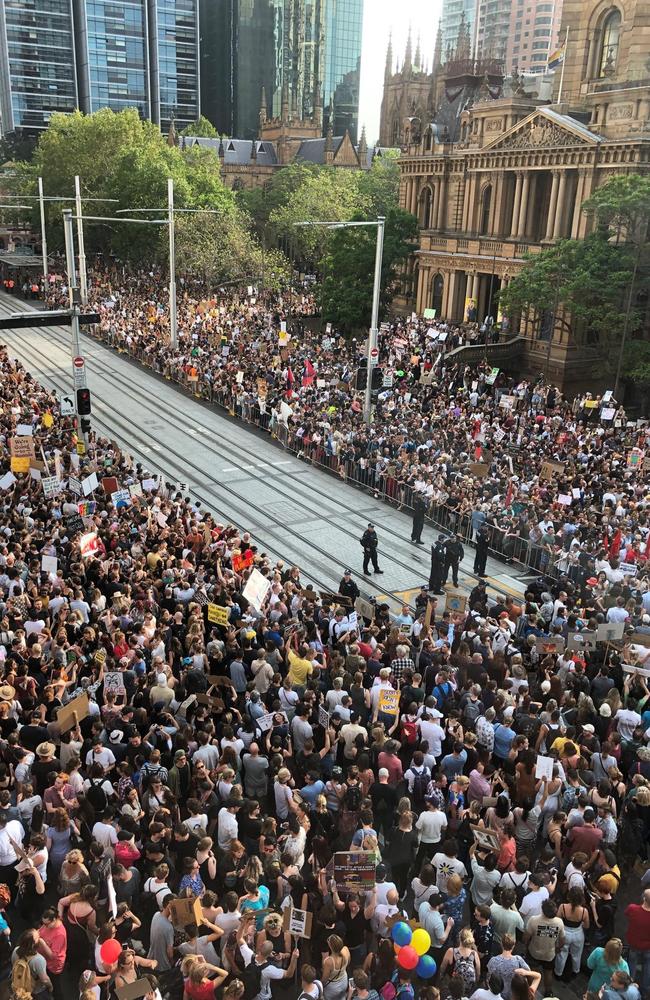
(437, 288)
(611, 32)
(486, 201)
(425, 208)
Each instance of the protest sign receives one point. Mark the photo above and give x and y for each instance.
(456, 602)
(629, 569)
(7, 481)
(22, 446)
(630, 668)
(323, 717)
(74, 485)
(267, 721)
(133, 991)
(51, 486)
(87, 508)
(564, 499)
(110, 485)
(65, 715)
(610, 631)
(74, 524)
(388, 701)
(218, 615)
(365, 608)
(89, 544)
(485, 840)
(297, 922)
(135, 489)
(49, 564)
(121, 498)
(19, 464)
(479, 469)
(581, 642)
(114, 681)
(549, 644)
(24, 430)
(543, 767)
(550, 469)
(186, 911)
(257, 589)
(491, 378)
(354, 871)
(89, 484)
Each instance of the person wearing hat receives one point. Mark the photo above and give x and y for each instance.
(437, 568)
(347, 586)
(45, 763)
(180, 776)
(369, 544)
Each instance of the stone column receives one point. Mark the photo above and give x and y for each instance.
(552, 205)
(423, 281)
(558, 228)
(577, 208)
(494, 226)
(523, 209)
(444, 305)
(516, 206)
(441, 207)
(451, 299)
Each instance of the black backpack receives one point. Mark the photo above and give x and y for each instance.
(420, 784)
(353, 798)
(97, 796)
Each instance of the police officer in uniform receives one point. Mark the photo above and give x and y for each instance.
(419, 509)
(482, 549)
(369, 543)
(437, 565)
(454, 552)
(348, 588)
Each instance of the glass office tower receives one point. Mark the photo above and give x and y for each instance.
(174, 61)
(112, 60)
(343, 32)
(37, 62)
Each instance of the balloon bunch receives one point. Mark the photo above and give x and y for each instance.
(411, 948)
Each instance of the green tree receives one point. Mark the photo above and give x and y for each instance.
(622, 204)
(202, 129)
(586, 277)
(348, 269)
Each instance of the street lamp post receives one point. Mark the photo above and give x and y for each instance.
(376, 292)
(41, 205)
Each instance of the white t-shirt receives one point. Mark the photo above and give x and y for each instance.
(430, 826)
(105, 757)
(227, 828)
(434, 735)
(627, 721)
(445, 867)
(268, 973)
(531, 904)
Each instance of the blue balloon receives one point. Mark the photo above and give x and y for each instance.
(401, 934)
(426, 967)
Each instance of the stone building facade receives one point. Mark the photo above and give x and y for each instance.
(516, 173)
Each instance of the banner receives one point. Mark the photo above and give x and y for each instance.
(218, 615)
(354, 871)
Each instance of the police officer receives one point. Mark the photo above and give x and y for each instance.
(437, 565)
(369, 543)
(347, 586)
(419, 509)
(482, 549)
(454, 552)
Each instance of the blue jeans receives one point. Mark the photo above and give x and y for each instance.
(639, 962)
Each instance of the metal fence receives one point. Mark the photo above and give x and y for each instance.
(509, 547)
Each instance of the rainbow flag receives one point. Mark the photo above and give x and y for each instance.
(556, 58)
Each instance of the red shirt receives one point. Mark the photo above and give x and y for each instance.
(584, 838)
(57, 939)
(200, 991)
(393, 765)
(638, 927)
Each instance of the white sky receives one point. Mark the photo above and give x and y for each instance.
(380, 18)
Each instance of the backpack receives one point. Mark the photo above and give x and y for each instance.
(353, 798)
(472, 711)
(420, 785)
(464, 968)
(21, 980)
(441, 695)
(409, 733)
(96, 795)
(251, 977)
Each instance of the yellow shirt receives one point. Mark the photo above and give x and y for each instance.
(299, 669)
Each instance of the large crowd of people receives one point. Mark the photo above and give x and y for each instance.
(214, 784)
(560, 485)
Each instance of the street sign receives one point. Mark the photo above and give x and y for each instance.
(388, 380)
(66, 406)
(374, 355)
(79, 373)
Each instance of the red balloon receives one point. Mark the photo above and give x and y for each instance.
(408, 957)
(111, 950)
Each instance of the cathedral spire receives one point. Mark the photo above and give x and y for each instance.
(363, 146)
(389, 58)
(463, 43)
(263, 108)
(408, 57)
(417, 62)
(437, 52)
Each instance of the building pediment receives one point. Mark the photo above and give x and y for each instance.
(544, 129)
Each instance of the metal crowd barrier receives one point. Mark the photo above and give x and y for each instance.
(511, 548)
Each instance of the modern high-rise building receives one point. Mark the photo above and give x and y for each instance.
(343, 31)
(59, 55)
(453, 11)
(518, 33)
(290, 54)
(37, 64)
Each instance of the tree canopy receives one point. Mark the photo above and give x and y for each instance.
(202, 128)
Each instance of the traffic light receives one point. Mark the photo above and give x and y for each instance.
(362, 378)
(83, 402)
